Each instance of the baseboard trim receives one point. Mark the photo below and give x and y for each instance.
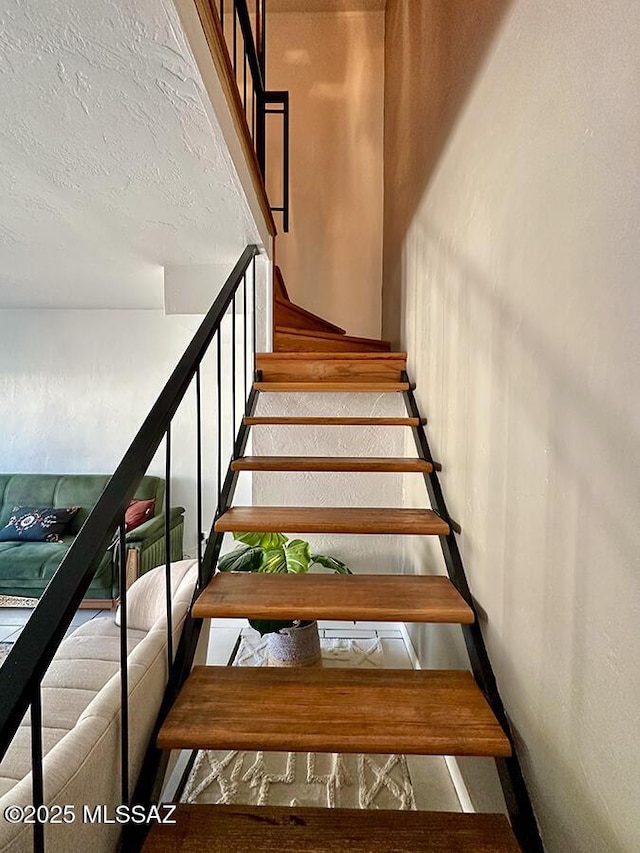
(411, 649)
(99, 604)
(457, 780)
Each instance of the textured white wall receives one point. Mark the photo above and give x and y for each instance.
(332, 65)
(520, 308)
(75, 387)
(366, 554)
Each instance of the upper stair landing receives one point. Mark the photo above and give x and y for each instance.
(298, 330)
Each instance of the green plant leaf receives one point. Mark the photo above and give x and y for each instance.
(268, 541)
(268, 626)
(244, 559)
(297, 555)
(273, 561)
(332, 563)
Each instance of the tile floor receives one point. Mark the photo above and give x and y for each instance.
(13, 620)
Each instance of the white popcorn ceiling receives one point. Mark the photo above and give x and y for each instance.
(112, 163)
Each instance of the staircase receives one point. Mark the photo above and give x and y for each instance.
(332, 710)
(298, 330)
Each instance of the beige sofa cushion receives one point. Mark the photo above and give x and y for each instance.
(146, 600)
(82, 756)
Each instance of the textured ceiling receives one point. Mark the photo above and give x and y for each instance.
(111, 161)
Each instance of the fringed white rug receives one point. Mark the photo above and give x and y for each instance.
(17, 601)
(304, 779)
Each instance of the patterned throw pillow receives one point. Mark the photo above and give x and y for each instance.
(138, 512)
(37, 524)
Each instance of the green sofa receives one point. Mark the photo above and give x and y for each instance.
(27, 567)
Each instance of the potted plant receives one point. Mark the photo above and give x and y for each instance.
(294, 642)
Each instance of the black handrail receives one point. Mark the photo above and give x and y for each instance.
(33, 651)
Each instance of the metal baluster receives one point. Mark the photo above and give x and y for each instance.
(253, 112)
(36, 769)
(244, 311)
(285, 164)
(167, 546)
(253, 263)
(235, 41)
(219, 410)
(124, 671)
(244, 79)
(199, 475)
(233, 371)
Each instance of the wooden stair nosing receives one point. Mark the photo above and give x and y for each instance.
(307, 421)
(341, 367)
(355, 520)
(203, 828)
(381, 598)
(311, 709)
(332, 356)
(359, 464)
(352, 387)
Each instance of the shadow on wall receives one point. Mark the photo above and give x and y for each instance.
(550, 541)
(425, 91)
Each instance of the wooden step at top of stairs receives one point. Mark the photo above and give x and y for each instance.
(296, 340)
(380, 598)
(293, 421)
(331, 366)
(277, 829)
(311, 709)
(287, 313)
(351, 387)
(287, 519)
(355, 464)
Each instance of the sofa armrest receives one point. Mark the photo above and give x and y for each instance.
(154, 527)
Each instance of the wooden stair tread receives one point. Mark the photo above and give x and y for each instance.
(277, 829)
(348, 387)
(287, 519)
(298, 340)
(382, 464)
(292, 421)
(287, 313)
(303, 333)
(311, 709)
(266, 357)
(384, 598)
(331, 366)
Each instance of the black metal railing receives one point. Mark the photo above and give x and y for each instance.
(24, 669)
(245, 36)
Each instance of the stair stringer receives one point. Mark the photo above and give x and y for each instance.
(518, 802)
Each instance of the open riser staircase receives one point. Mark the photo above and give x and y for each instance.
(422, 712)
